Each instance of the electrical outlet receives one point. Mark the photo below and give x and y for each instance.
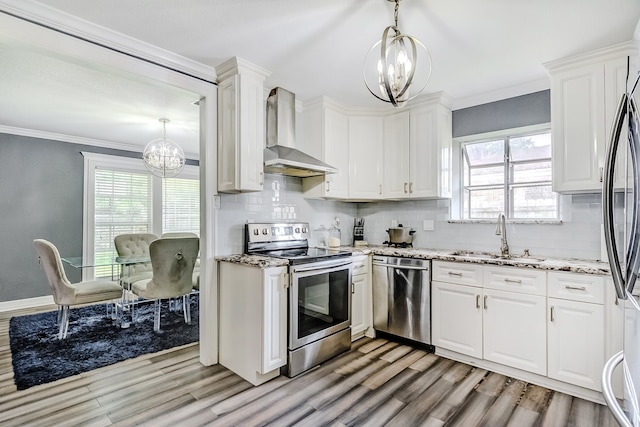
(394, 223)
(427, 225)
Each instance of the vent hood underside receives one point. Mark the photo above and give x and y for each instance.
(289, 161)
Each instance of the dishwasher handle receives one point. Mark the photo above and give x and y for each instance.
(402, 267)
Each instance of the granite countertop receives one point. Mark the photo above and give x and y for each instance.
(550, 264)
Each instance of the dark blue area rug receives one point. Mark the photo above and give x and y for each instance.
(93, 341)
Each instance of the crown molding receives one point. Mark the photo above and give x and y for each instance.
(57, 20)
(52, 136)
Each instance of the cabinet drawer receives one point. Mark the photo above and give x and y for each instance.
(457, 272)
(523, 280)
(360, 265)
(577, 287)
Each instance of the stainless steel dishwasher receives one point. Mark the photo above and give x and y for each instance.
(402, 297)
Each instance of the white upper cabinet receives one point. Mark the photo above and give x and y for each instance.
(326, 136)
(241, 137)
(584, 95)
(366, 138)
(417, 151)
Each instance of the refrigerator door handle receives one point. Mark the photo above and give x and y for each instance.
(633, 258)
(607, 390)
(607, 198)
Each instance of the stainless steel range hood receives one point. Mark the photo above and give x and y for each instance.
(281, 156)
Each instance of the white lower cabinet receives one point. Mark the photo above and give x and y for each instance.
(253, 320)
(576, 342)
(514, 330)
(576, 328)
(556, 329)
(361, 298)
(456, 316)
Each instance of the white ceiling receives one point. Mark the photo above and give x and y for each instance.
(481, 50)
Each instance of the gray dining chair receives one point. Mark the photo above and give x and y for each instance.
(172, 261)
(65, 293)
(196, 268)
(132, 246)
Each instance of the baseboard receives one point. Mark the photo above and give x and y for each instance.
(20, 304)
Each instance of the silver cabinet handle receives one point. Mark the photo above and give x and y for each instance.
(261, 178)
(512, 280)
(380, 189)
(451, 273)
(328, 186)
(478, 301)
(411, 187)
(353, 288)
(577, 288)
(552, 317)
(485, 302)
(405, 188)
(601, 174)
(359, 266)
(607, 390)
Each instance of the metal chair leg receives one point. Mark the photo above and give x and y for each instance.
(186, 308)
(64, 323)
(156, 315)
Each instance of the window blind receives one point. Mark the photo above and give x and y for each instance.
(181, 205)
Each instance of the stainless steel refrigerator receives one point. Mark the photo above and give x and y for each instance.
(621, 218)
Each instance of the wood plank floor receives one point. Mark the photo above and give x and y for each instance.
(377, 383)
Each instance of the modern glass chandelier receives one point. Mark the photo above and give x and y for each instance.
(390, 76)
(162, 156)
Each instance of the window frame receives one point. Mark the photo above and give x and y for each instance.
(125, 164)
(507, 185)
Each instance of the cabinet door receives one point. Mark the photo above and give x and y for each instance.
(360, 304)
(396, 156)
(430, 152)
(240, 134)
(336, 149)
(274, 319)
(456, 315)
(576, 342)
(578, 128)
(515, 330)
(365, 157)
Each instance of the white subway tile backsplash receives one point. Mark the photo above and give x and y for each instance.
(578, 236)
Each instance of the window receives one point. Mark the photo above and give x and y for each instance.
(122, 197)
(509, 174)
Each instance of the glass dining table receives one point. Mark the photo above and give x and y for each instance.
(119, 266)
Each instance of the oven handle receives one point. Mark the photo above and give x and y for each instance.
(321, 265)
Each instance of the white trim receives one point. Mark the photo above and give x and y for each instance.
(503, 93)
(79, 140)
(20, 304)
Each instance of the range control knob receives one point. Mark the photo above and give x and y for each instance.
(256, 231)
(265, 231)
(297, 230)
(304, 230)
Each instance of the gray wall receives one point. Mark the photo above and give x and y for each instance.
(41, 187)
(524, 110)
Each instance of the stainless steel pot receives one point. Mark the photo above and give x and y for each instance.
(401, 235)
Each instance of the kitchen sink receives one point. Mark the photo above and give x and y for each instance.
(495, 256)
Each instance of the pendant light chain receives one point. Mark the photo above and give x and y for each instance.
(395, 13)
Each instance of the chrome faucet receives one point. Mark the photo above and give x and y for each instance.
(501, 230)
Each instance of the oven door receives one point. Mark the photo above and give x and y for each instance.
(319, 300)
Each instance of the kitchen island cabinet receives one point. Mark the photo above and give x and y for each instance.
(253, 320)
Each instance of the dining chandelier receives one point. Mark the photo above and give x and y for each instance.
(162, 156)
(391, 75)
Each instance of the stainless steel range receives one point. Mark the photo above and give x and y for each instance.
(319, 303)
